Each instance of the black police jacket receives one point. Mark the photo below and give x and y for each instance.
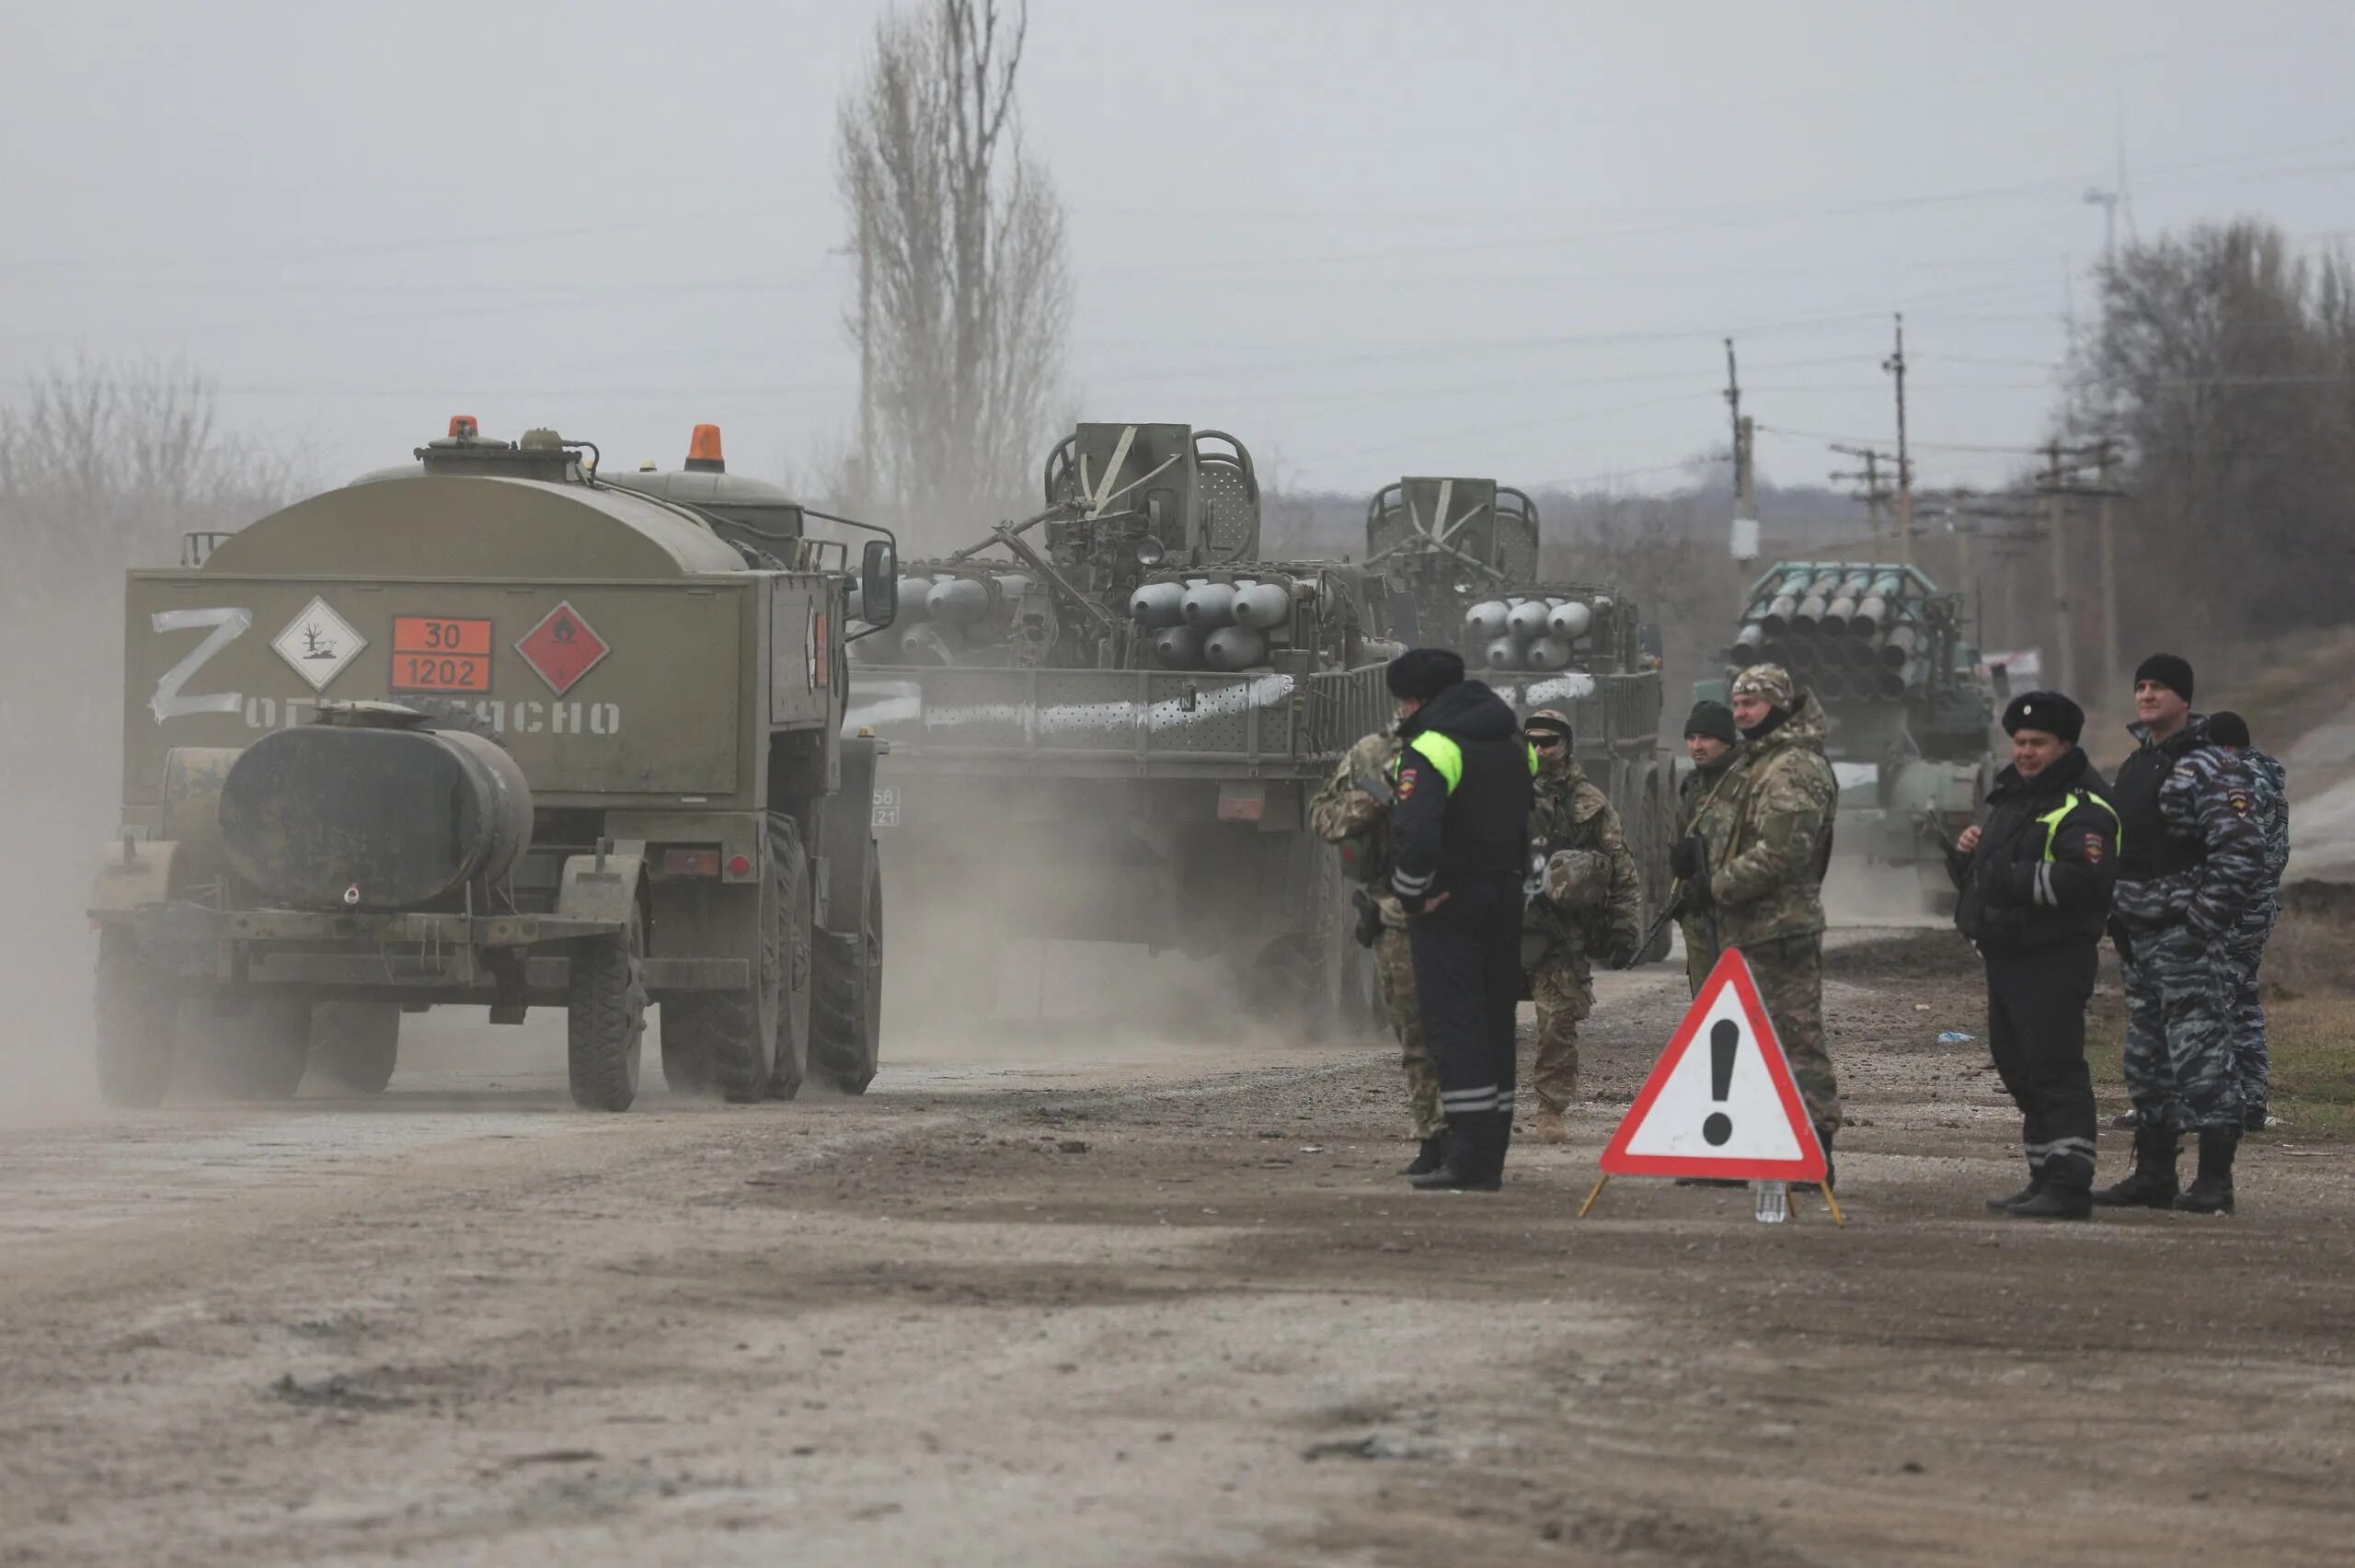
(1462, 806)
(2041, 873)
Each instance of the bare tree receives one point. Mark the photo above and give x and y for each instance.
(104, 466)
(2221, 367)
(964, 298)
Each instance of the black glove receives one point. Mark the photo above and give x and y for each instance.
(1369, 926)
(2121, 939)
(1684, 859)
(1697, 893)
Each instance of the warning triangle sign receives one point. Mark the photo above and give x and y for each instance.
(1720, 1101)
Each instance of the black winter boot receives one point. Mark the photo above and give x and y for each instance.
(2005, 1205)
(2212, 1186)
(1427, 1157)
(2152, 1183)
(2047, 1202)
(1474, 1160)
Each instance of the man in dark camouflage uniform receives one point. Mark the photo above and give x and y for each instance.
(1703, 817)
(2190, 865)
(1352, 811)
(2270, 790)
(1766, 890)
(1585, 911)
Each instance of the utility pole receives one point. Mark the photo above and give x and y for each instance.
(1745, 466)
(1895, 365)
(2105, 458)
(1875, 495)
(2053, 512)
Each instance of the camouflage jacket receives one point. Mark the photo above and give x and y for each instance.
(1345, 812)
(1767, 882)
(1704, 811)
(1569, 813)
(2270, 790)
(2206, 867)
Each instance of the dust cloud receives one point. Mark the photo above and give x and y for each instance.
(59, 793)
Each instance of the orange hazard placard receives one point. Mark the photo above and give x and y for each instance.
(440, 653)
(1720, 1101)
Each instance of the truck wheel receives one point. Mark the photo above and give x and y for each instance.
(739, 1028)
(846, 1017)
(357, 1042)
(798, 900)
(604, 1021)
(686, 1047)
(258, 1052)
(134, 1013)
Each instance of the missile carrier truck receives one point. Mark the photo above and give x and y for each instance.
(1106, 722)
(1459, 559)
(487, 730)
(1908, 714)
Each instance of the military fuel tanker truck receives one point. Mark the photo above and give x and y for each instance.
(1459, 559)
(1105, 722)
(1884, 651)
(483, 729)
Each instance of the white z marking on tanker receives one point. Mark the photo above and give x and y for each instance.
(227, 625)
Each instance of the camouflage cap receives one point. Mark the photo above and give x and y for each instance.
(1770, 682)
(1576, 880)
(1548, 721)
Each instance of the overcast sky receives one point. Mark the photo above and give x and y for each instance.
(1495, 238)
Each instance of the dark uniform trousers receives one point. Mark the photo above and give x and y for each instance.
(1468, 980)
(2036, 1031)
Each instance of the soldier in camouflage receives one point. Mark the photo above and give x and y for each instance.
(1588, 904)
(2270, 789)
(1351, 811)
(2190, 865)
(1765, 891)
(1702, 818)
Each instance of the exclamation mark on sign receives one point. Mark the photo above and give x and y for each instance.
(1725, 1039)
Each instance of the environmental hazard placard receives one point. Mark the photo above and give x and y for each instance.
(1720, 1101)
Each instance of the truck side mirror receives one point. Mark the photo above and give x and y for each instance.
(878, 583)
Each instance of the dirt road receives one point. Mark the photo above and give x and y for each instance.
(1164, 1305)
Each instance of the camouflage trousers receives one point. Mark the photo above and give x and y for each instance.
(1700, 951)
(2180, 994)
(1394, 967)
(1789, 972)
(1563, 990)
(2245, 947)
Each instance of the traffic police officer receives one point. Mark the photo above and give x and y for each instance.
(2270, 789)
(2035, 883)
(1457, 835)
(2190, 863)
(1588, 901)
(1353, 812)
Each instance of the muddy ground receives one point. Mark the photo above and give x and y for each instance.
(1040, 1300)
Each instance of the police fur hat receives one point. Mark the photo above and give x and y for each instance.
(2171, 670)
(2228, 728)
(2047, 711)
(1712, 719)
(1423, 674)
(1770, 682)
(1548, 721)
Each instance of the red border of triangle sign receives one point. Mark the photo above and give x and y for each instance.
(1723, 1116)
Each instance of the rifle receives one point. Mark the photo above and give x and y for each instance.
(1678, 905)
